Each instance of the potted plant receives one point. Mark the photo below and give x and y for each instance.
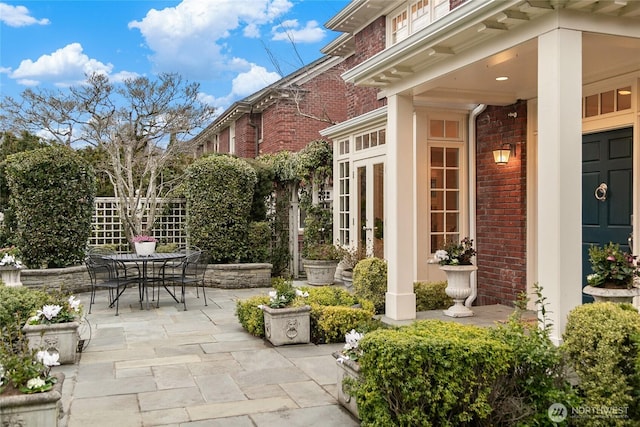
(145, 245)
(287, 318)
(320, 262)
(351, 255)
(54, 328)
(349, 370)
(10, 266)
(455, 261)
(29, 394)
(614, 273)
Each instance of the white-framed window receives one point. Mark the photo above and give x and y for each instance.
(370, 139)
(607, 101)
(343, 202)
(413, 16)
(445, 174)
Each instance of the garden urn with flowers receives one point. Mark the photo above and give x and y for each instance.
(10, 266)
(145, 245)
(614, 274)
(54, 329)
(348, 370)
(455, 261)
(287, 319)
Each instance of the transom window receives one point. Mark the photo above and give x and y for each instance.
(371, 139)
(607, 102)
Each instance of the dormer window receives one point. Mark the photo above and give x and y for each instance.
(413, 16)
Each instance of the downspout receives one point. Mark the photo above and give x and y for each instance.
(472, 193)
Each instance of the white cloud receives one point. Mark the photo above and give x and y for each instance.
(253, 80)
(65, 66)
(290, 31)
(190, 38)
(18, 16)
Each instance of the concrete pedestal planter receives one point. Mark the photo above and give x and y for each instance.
(61, 338)
(347, 278)
(290, 325)
(347, 369)
(10, 276)
(36, 409)
(620, 295)
(458, 288)
(320, 272)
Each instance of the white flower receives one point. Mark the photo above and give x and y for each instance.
(1, 375)
(261, 306)
(49, 311)
(302, 294)
(10, 260)
(35, 383)
(441, 255)
(352, 338)
(74, 303)
(48, 359)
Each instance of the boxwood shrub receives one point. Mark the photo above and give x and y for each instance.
(431, 296)
(602, 343)
(370, 281)
(431, 373)
(334, 312)
(52, 194)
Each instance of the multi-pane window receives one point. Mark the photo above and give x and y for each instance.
(371, 139)
(444, 187)
(607, 102)
(343, 200)
(413, 16)
(343, 147)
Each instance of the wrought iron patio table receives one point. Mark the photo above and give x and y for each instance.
(144, 261)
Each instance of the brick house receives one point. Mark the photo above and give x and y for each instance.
(285, 115)
(554, 83)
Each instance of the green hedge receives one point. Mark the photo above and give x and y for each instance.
(370, 281)
(334, 312)
(259, 236)
(602, 343)
(431, 296)
(430, 373)
(219, 193)
(52, 194)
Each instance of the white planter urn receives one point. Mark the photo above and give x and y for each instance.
(458, 288)
(37, 409)
(145, 248)
(614, 295)
(320, 272)
(290, 325)
(61, 338)
(10, 276)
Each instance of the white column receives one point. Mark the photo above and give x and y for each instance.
(399, 233)
(560, 170)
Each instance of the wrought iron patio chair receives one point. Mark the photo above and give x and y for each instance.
(106, 273)
(190, 272)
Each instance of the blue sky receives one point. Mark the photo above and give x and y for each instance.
(224, 45)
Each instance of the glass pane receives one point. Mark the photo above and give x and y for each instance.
(365, 141)
(358, 143)
(362, 203)
(452, 178)
(437, 178)
(452, 157)
(437, 242)
(436, 128)
(437, 222)
(382, 137)
(591, 106)
(452, 222)
(452, 129)
(607, 102)
(437, 200)
(624, 98)
(374, 139)
(378, 210)
(452, 200)
(437, 156)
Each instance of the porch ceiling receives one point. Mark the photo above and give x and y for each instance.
(603, 57)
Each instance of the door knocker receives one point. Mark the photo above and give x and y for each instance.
(601, 192)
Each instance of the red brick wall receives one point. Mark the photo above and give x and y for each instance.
(368, 42)
(223, 142)
(501, 206)
(246, 136)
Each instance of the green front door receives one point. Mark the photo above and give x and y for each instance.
(607, 191)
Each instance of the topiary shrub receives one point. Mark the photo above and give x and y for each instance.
(260, 237)
(431, 296)
(601, 342)
(219, 193)
(370, 281)
(52, 194)
(431, 373)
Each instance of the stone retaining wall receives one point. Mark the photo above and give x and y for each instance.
(228, 276)
(236, 276)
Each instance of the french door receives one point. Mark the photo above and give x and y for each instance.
(369, 210)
